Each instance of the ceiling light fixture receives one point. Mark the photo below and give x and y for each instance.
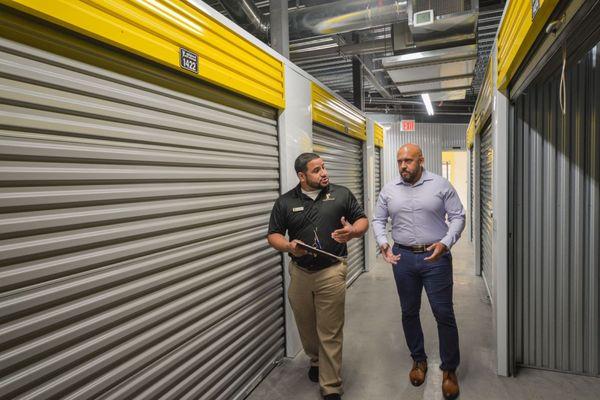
(427, 102)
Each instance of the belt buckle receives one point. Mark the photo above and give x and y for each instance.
(420, 248)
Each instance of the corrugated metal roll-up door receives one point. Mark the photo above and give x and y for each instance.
(554, 215)
(471, 189)
(133, 259)
(377, 167)
(486, 158)
(343, 158)
(378, 174)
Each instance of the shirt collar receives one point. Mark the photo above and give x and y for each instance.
(298, 191)
(425, 176)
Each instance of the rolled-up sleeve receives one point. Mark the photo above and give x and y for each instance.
(380, 217)
(456, 217)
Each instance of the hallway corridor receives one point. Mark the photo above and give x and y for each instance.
(376, 360)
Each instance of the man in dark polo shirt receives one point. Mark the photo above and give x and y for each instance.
(325, 216)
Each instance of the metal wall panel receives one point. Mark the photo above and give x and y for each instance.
(555, 221)
(486, 220)
(344, 162)
(433, 139)
(377, 160)
(378, 176)
(133, 259)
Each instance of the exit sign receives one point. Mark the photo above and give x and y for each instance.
(407, 125)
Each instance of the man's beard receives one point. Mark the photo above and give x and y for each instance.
(315, 185)
(412, 176)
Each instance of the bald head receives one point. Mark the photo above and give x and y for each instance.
(410, 162)
(410, 149)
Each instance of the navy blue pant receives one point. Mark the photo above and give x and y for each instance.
(412, 273)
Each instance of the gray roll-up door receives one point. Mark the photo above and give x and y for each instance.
(343, 156)
(554, 215)
(471, 190)
(486, 159)
(378, 174)
(133, 259)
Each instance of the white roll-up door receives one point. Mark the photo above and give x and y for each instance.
(343, 158)
(485, 200)
(133, 259)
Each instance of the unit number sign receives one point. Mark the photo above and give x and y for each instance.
(188, 60)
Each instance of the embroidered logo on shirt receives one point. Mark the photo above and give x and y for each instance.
(296, 209)
(328, 197)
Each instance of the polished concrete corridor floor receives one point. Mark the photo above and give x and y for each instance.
(376, 360)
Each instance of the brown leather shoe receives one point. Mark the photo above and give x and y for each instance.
(450, 385)
(418, 372)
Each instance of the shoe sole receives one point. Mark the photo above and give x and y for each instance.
(452, 397)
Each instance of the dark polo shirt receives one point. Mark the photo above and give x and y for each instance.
(300, 216)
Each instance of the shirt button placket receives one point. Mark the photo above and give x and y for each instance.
(412, 213)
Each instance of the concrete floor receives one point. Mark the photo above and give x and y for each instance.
(377, 361)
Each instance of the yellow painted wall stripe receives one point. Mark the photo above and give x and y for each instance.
(157, 29)
(516, 35)
(471, 133)
(336, 114)
(378, 135)
(483, 106)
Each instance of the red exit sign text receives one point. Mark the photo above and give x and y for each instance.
(408, 125)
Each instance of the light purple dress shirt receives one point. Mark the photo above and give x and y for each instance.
(418, 212)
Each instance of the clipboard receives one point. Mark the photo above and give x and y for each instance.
(314, 250)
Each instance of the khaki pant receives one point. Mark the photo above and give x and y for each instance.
(318, 299)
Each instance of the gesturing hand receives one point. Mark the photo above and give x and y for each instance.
(297, 250)
(388, 254)
(343, 234)
(438, 248)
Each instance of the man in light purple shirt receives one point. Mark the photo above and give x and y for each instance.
(418, 203)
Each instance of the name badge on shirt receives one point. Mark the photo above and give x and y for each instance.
(297, 209)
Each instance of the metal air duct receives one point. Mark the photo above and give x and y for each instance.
(248, 16)
(345, 16)
(439, 22)
(325, 19)
(432, 71)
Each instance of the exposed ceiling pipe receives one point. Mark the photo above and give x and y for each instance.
(374, 81)
(325, 19)
(345, 16)
(378, 101)
(371, 47)
(248, 16)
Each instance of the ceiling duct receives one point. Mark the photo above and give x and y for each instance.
(439, 22)
(448, 96)
(436, 23)
(437, 50)
(345, 16)
(248, 16)
(432, 71)
(324, 19)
